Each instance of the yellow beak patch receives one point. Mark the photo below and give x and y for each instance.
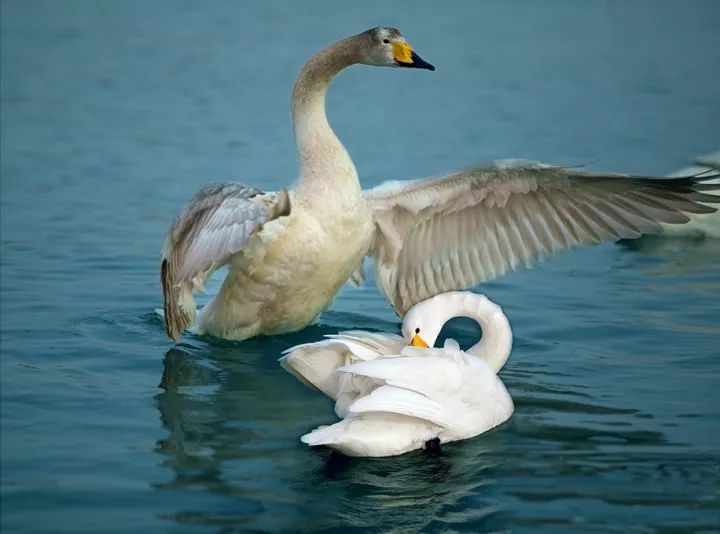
(417, 341)
(402, 52)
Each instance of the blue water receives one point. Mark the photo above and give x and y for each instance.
(114, 113)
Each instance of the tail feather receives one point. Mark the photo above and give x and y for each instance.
(374, 434)
(325, 435)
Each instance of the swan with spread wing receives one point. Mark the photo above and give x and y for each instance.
(289, 252)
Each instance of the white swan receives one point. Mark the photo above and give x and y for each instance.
(403, 401)
(289, 253)
(315, 364)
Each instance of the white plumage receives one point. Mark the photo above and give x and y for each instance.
(315, 364)
(395, 402)
(442, 394)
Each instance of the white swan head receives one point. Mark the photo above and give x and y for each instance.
(424, 321)
(386, 47)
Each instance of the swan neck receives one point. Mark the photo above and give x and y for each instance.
(496, 343)
(321, 155)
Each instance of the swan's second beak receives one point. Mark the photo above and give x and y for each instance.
(405, 57)
(417, 341)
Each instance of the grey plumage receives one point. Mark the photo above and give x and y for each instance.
(450, 233)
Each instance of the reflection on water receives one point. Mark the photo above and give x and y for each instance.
(674, 256)
(675, 268)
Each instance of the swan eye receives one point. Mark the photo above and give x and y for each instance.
(417, 330)
(386, 41)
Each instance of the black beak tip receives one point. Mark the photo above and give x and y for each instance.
(420, 63)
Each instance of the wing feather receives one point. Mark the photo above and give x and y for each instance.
(214, 225)
(422, 374)
(450, 233)
(404, 402)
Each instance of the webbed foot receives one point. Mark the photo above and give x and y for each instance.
(433, 445)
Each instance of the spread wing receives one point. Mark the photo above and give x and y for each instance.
(214, 225)
(450, 233)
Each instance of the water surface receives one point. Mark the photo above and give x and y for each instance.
(114, 113)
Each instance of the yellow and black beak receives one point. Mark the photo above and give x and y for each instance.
(405, 57)
(417, 341)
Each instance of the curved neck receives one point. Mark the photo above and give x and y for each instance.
(325, 165)
(496, 343)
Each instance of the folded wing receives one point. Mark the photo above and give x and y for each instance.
(315, 364)
(403, 402)
(427, 375)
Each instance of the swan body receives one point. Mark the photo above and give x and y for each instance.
(395, 403)
(421, 395)
(289, 252)
(287, 275)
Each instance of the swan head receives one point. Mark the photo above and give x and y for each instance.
(424, 321)
(386, 47)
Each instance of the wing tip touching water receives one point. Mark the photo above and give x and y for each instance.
(216, 224)
(176, 301)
